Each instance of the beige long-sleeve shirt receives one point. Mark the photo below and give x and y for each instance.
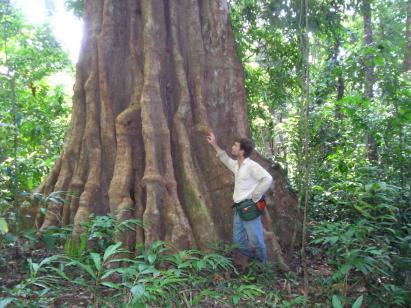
(251, 180)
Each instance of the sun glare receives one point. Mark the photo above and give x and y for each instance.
(66, 27)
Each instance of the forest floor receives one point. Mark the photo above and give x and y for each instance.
(19, 285)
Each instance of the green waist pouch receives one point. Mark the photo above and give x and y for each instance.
(247, 210)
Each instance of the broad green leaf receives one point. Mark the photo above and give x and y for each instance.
(138, 291)
(124, 271)
(235, 299)
(200, 265)
(123, 260)
(49, 241)
(5, 301)
(4, 227)
(111, 250)
(358, 302)
(34, 267)
(86, 267)
(336, 302)
(48, 260)
(111, 285)
(96, 259)
(152, 258)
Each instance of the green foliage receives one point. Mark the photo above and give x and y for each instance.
(76, 6)
(359, 207)
(75, 249)
(271, 61)
(158, 276)
(33, 112)
(52, 237)
(4, 227)
(101, 230)
(372, 244)
(246, 292)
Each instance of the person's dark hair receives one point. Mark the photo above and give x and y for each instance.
(246, 145)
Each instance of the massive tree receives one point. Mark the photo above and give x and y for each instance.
(153, 78)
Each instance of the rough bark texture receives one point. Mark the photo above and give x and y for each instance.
(154, 76)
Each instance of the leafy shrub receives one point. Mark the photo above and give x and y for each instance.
(371, 247)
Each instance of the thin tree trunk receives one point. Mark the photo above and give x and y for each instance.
(407, 70)
(402, 162)
(153, 78)
(340, 79)
(407, 61)
(305, 99)
(10, 75)
(369, 75)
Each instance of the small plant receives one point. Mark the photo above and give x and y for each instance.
(101, 230)
(246, 292)
(75, 249)
(95, 267)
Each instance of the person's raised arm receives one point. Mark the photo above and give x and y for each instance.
(211, 140)
(221, 154)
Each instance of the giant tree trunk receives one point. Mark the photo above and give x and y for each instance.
(154, 76)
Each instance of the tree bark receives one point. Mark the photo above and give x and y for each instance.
(154, 76)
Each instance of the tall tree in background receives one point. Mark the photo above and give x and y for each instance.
(369, 72)
(153, 78)
(407, 62)
(304, 194)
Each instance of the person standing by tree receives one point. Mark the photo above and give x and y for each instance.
(251, 182)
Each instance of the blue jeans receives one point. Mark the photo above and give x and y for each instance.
(249, 237)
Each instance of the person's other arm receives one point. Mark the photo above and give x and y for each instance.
(221, 154)
(264, 181)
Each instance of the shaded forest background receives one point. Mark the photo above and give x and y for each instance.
(328, 100)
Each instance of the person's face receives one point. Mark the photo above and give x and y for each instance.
(236, 151)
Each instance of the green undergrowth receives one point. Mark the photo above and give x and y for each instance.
(98, 272)
(353, 264)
